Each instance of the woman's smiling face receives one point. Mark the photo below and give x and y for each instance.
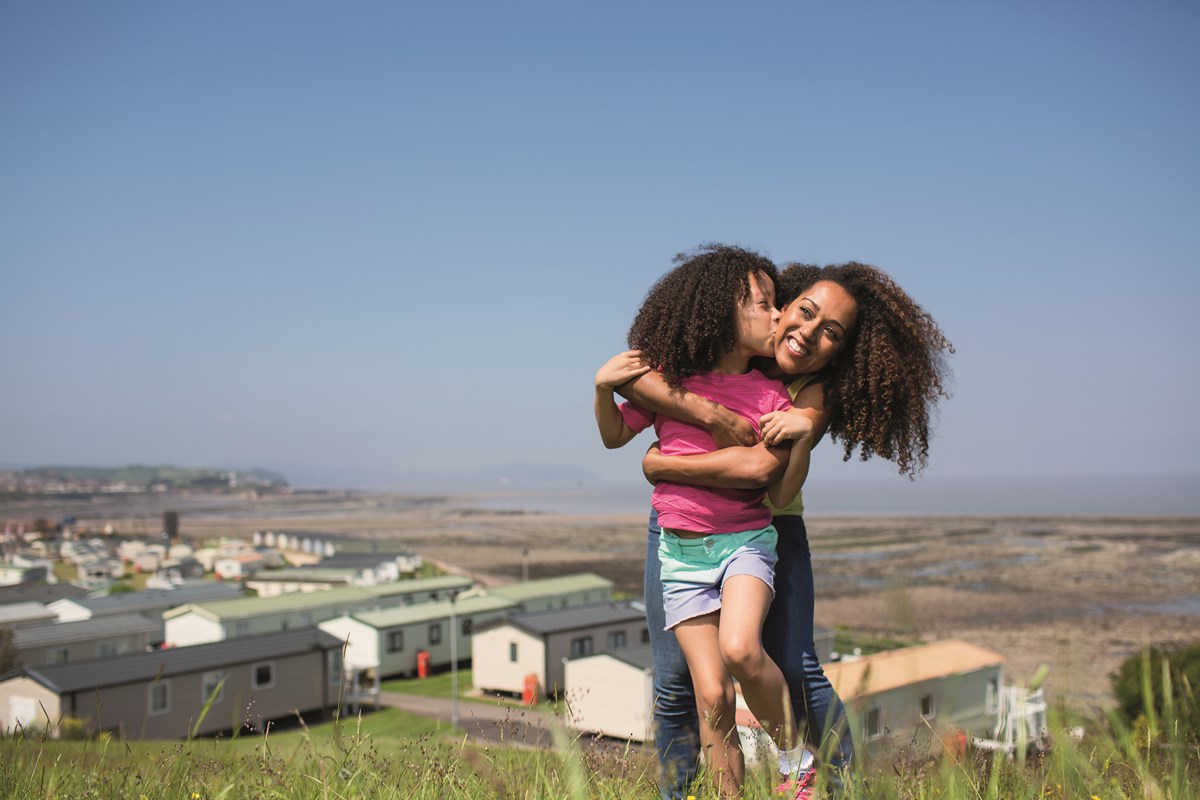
(814, 328)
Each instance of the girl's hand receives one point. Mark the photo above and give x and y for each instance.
(779, 426)
(620, 369)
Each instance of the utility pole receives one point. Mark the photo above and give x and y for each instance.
(453, 659)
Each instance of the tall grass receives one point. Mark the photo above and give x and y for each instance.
(390, 754)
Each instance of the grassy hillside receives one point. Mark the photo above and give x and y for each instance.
(395, 756)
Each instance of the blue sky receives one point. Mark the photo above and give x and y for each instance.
(400, 238)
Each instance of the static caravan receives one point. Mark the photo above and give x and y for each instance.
(150, 601)
(908, 697)
(112, 635)
(388, 642)
(159, 695)
(295, 579)
(239, 567)
(43, 593)
(385, 566)
(538, 644)
(20, 615)
(546, 594)
(612, 693)
(248, 616)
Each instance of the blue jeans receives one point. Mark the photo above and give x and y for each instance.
(676, 722)
(787, 638)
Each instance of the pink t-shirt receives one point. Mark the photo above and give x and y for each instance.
(698, 508)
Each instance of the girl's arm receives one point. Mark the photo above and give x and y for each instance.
(617, 370)
(751, 467)
(804, 424)
(727, 428)
(783, 491)
(728, 468)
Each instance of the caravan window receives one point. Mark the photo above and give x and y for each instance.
(160, 698)
(873, 724)
(209, 682)
(263, 675)
(336, 667)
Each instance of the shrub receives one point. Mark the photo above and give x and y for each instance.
(1183, 666)
(74, 728)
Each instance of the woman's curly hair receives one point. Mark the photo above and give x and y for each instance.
(880, 389)
(689, 317)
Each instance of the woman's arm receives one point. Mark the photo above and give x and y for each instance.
(728, 468)
(617, 370)
(650, 391)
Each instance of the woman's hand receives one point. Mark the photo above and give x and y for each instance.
(620, 369)
(780, 426)
(652, 462)
(730, 429)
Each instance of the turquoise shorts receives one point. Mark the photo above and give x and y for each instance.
(694, 570)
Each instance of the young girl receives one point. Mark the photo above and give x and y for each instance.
(701, 324)
(867, 364)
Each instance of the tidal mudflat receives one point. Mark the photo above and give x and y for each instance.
(1077, 593)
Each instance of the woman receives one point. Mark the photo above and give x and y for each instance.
(864, 362)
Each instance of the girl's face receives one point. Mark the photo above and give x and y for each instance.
(814, 328)
(758, 317)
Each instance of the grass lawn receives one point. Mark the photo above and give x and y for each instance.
(437, 685)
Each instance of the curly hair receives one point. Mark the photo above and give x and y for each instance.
(881, 388)
(689, 317)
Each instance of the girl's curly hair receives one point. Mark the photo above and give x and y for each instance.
(882, 387)
(689, 317)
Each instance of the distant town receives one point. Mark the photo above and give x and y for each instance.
(83, 481)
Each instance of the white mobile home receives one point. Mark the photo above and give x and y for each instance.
(388, 642)
(537, 644)
(308, 579)
(612, 693)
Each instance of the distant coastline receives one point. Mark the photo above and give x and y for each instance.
(1171, 496)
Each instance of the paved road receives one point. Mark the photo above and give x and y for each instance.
(482, 721)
